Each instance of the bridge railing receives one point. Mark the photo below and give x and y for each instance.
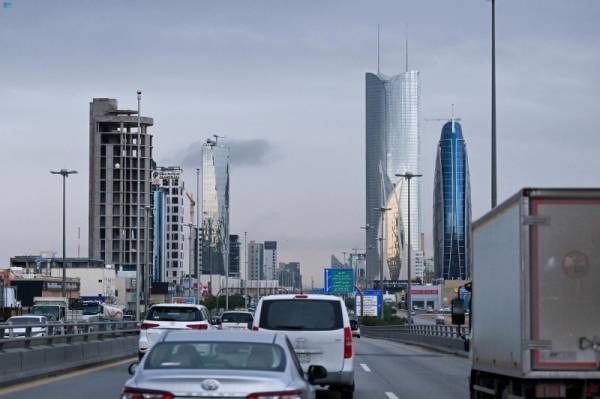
(450, 338)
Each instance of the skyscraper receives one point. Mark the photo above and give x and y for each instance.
(215, 207)
(256, 261)
(270, 259)
(234, 255)
(452, 206)
(392, 146)
(119, 185)
(169, 180)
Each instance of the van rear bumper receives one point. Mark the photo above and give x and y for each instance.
(345, 378)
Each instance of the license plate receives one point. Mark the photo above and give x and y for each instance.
(304, 357)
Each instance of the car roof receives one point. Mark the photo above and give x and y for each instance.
(177, 305)
(301, 296)
(216, 335)
(27, 316)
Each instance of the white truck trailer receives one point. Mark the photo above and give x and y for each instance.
(536, 297)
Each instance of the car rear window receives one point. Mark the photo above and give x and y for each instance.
(216, 355)
(301, 314)
(236, 318)
(174, 313)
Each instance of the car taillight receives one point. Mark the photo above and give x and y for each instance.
(347, 343)
(301, 296)
(146, 326)
(134, 393)
(198, 326)
(254, 328)
(297, 394)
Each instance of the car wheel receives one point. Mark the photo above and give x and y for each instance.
(347, 392)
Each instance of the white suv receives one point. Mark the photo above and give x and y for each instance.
(319, 329)
(171, 316)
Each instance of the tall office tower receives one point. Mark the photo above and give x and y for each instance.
(270, 259)
(392, 147)
(234, 255)
(169, 179)
(452, 206)
(159, 206)
(119, 186)
(289, 275)
(215, 207)
(256, 261)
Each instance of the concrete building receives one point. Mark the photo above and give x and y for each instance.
(215, 207)
(256, 261)
(392, 144)
(93, 281)
(290, 277)
(452, 206)
(169, 180)
(119, 185)
(270, 259)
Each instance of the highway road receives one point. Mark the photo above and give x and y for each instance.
(384, 370)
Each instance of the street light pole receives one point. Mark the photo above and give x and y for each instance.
(494, 181)
(408, 176)
(382, 210)
(138, 282)
(64, 173)
(366, 227)
(147, 279)
(246, 267)
(197, 238)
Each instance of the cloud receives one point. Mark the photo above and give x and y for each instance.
(254, 152)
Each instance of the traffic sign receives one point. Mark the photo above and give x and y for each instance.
(339, 280)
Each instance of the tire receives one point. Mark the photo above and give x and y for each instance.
(347, 392)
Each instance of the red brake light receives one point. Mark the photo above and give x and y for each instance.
(297, 394)
(198, 326)
(347, 343)
(133, 393)
(254, 328)
(146, 326)
(301, 296)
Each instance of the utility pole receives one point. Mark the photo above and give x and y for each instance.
(246, 267)
(199, 270)
(494, 174)
(383, 210)
(408, 176)
(138, 282)
(64, 173)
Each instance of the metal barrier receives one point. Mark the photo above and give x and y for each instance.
(63, 347)
(441, 337)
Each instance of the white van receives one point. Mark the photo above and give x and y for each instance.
(319, 328)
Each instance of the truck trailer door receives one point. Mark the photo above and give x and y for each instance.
(565, 283)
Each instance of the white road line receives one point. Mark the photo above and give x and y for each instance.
(391, 395)
(365, 367)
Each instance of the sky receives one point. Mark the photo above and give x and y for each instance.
(284, 81)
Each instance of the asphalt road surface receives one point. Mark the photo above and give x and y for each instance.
(384, 370)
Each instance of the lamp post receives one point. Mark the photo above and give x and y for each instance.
(494, 181)
(147, 282)
(138, 282)
(246, 267)
(382, 210)
(197, 238)
(366, 228)
(408, 176)
(64, 173)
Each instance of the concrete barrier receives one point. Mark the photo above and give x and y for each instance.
(21, 364)
(437, 339)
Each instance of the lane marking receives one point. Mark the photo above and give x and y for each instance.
(391, 395)
(365, 367)
(77, 373)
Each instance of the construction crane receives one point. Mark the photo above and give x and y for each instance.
(451, 119)
(192, 205)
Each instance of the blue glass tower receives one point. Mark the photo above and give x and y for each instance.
(452, 206)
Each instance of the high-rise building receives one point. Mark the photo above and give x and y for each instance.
(159, 206)
(234, 255)
(215, 207)
(169, 180)
(452, 206)
(256, 261)
(119, 186)
(270, 259)
(289, 276)
(392, 147)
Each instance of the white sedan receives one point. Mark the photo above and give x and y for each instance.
(17, 326)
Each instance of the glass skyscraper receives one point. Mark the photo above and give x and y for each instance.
(392, 146)
(215, 208)
(452, 206)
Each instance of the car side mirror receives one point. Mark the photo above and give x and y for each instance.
(133, 367)
(315, 373)
(458, 311)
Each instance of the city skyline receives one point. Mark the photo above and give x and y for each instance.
(287, 86)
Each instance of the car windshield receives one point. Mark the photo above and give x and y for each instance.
(49, 311)
(236, 317)
(24, 320)
(216, 355)
(295, 314)
(90, 308)
(174, 313)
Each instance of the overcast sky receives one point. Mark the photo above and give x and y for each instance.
(284, 81)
